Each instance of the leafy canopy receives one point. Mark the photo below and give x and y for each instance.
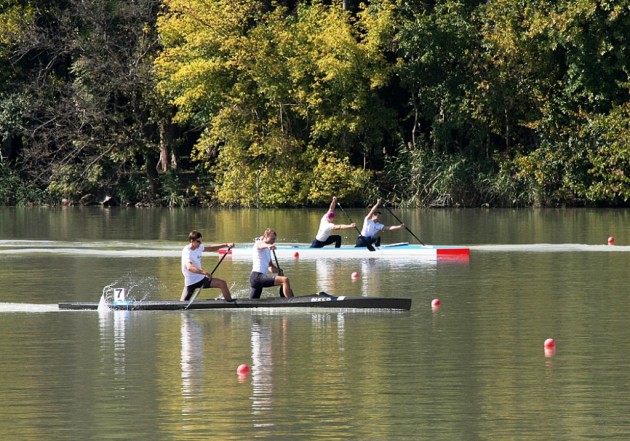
(279, 97)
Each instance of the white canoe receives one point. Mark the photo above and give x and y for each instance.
(397, 250)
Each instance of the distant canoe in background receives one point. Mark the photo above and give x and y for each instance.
(396, 250)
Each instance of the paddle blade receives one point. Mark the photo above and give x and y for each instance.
(194, 296)
(281, 291)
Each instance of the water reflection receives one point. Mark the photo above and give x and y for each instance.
(116, 322)
(322, 322)
(370, 277)
(376, 277)
(272, 352)
(192, 361)
(262, 372)
(326, 274)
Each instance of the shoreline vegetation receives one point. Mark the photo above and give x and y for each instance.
(249, 103)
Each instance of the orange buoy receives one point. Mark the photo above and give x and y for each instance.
(242, 369)
(354, 275)
(435, 304)
(611, 240)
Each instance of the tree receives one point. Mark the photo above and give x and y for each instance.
(14, 19)
(437, 46)
(86, 69)
(573, 58)
(610, 156)
(273, 92)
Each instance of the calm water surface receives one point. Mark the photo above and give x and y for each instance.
(474, 370)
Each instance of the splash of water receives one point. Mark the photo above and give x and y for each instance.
(137, 289)
(102, 304)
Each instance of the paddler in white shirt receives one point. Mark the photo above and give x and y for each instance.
(327, 226)
(262, 265)
(194, 275)
(372, 226)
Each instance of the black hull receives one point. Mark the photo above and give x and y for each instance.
(313, 301)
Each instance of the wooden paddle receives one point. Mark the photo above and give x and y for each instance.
(406, 227)
(192, 299)
(369, 245)
(280, 272)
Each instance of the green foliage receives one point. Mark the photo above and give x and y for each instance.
(553, 69)
(265, 85)
(9, 182)
(438, 49)
(171, 188)
(542, 173)
(499, 188)
(610, 156)
(12, 108)
(15, 191)
(423, 178)
(14, 18)
(542, 74)
(248, 103)
(335, 176)
(337, 72)
(84, 66)
(72, 182)
(133, 188)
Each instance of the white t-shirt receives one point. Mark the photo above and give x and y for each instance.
(261, 259)
(193, 256)
(371, 228)
(325, 228)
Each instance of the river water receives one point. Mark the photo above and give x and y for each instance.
(475, 369)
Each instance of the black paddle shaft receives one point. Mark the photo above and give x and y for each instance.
(365, 240)
(407, 228)
(194, 296)
(221, 260)
(280, 272)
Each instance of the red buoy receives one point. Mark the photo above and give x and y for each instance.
(550, 343)
(296, 255)
(611, 240)
(435, 304)
(354, 275)
(242, 369)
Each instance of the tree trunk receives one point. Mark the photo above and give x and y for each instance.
(163, 162)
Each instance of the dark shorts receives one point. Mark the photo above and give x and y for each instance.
(190, 289)
(331, 239)
(258, 281)
(365, 241)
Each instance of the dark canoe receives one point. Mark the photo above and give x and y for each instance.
(311, 301)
